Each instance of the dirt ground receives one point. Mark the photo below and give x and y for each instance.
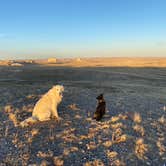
(133, 131)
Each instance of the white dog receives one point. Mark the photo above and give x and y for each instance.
(46, 107)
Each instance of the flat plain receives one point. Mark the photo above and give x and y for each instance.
(133, 131)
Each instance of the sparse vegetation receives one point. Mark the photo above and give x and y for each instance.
(137, 117)
(131, 133)
(141, 149)
(139, 129)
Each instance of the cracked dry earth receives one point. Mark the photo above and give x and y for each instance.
(133, 131)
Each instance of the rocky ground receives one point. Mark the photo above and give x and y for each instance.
(133, 131)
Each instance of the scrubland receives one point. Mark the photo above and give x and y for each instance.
(133, 131)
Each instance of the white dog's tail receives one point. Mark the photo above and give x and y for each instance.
(28, 121)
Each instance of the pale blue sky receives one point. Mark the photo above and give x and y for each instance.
(65, 28)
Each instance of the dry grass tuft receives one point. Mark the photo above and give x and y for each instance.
(116, 125)
(8, 108)
(123, 117)
(73, 107)
(44, 163)
(32, 96)
(111, 154)
(45, 154)
(118, 137)
(117, 162)
(92, 132)
(108, 143)
(89, 119)
(115, 119)
(162, 120)
(6, 131)
(31, 135)
(78, 117)
(105, 126)
(73, 149)
(13, 118)
(161, 147)
(94, 163)
(82, 137)
(68, 123)
(141, 149)
(117, 132)
(68, 135)
(30, 109)
(91, 146)
(34, 132)
(70, 138)
(122, 138)
(139, 129)
(15, 139)
(137, 117)
(58, 161)
(26, 157)
(66, 151)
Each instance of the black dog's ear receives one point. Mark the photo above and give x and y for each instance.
(100, 97)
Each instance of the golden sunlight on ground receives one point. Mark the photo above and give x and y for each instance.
(93, 62)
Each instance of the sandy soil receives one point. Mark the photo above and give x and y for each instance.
(133, 131)
(107, 62)
(92, 62)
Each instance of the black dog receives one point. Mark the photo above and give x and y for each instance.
(100, 110)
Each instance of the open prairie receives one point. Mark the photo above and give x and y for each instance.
(133, 131)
